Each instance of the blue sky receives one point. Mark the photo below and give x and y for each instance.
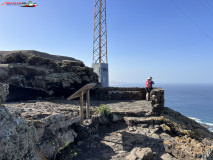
(169, 40)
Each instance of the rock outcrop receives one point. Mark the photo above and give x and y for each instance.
(30, 76)
(4, 91)
(18, 137)
(52, 123)
(37, 53)
(141, 153)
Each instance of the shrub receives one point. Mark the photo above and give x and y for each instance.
(103, 110)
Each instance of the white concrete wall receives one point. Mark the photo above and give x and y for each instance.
(103, 73)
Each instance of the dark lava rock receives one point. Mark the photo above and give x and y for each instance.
(32, 74)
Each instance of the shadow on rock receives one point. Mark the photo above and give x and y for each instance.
(131, 140)
(93, 148)
(210, 156)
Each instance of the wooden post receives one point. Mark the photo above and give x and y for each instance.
(81, 106)
(80, 93)
(88, 105)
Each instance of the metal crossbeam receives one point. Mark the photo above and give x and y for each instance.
(100, 33)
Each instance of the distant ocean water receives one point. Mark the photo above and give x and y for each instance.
(192, 100)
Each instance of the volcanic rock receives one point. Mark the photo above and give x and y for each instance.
(32, 75)
(18, 138)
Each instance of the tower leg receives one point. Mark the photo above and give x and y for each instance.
(102, 71)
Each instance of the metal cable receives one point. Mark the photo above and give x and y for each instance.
(192, 20)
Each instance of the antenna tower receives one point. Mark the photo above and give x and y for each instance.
(100, 62)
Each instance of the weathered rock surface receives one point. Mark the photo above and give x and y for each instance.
(170, 136)
(139, 153)
(188, 148)
(4, 91)
(37, 53)
(167, 156)
(18, 138)
(52, 122)
(133, 131)
(30, 76)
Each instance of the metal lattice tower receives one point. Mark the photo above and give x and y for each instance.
(100, 62)
(100, 33)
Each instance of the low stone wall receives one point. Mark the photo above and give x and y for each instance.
(123, 93)
(118, 93)
(157, 100)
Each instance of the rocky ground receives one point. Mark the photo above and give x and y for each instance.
(54, 119)
(120, 142)
(131, 132)
(43, 109)
(156, 138)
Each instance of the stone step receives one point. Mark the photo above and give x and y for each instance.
(132, 121)
(132, 108)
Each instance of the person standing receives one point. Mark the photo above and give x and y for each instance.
(149, 84)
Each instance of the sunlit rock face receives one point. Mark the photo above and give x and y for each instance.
(32, 75)
(4, 91)
(18, 138)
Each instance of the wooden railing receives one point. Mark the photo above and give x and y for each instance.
(80, 93)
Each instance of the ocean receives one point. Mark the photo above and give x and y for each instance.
(192, 100)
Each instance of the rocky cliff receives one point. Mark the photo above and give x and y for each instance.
(32, 74)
